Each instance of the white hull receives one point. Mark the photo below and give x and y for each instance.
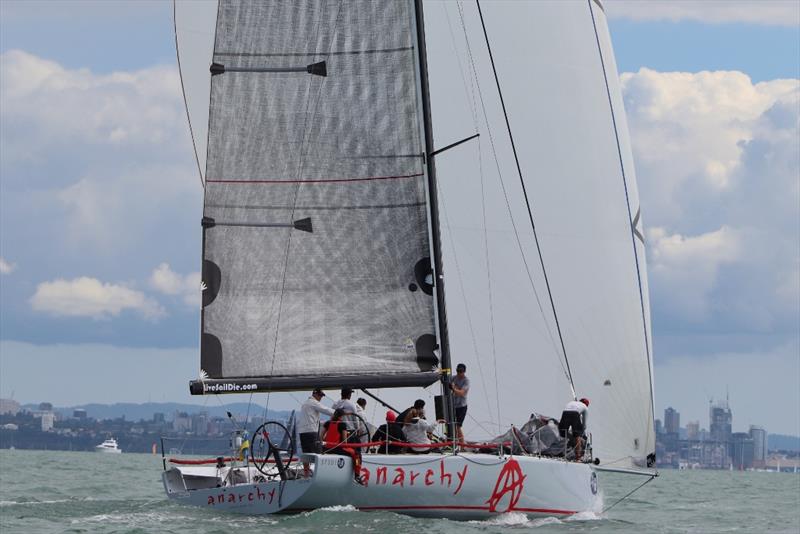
(107, 450)
(465, 486)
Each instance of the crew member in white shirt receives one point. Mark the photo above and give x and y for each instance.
(573, 424)
(348, 407)
(416, 431)
(308, 422)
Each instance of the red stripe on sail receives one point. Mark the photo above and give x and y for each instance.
(327, 181)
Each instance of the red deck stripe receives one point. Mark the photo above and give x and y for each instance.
(333, 180)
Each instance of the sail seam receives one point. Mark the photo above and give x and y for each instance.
(324, 181)
(628, 206)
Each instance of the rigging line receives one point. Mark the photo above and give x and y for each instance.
(489, 286)
(505, 196)
(464, 296)
(634, 490)
(525, 194)
(183, 91)
(628, 205)
(476, 124)
(301, 162)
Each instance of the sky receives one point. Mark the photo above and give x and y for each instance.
(100, 202)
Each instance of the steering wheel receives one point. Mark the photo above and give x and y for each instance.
(269, 442)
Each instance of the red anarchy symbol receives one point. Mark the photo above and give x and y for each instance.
(510, 481)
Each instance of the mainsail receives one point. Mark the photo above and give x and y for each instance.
(316, 233)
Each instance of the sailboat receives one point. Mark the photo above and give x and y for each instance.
(332, 220)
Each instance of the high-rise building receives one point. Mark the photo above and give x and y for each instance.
(693, 430)
(672, 421)
(720, 421)
(741, 450)
(659, 427)
(759, 436)
(9, 406)
(79, 413)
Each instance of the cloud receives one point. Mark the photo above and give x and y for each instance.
(718, 161)
(684, 269)
(168, 282)
(764, 12)
(122, 108)
(103, 160)
(6, 267)
(88, 297)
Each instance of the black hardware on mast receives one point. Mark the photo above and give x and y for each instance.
(444, 345)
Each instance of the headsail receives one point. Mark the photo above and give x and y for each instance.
(316, 250)
(566, 113)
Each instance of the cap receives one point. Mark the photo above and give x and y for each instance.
(391, 417)
(347, 391)
(318, 390)
(585, 401)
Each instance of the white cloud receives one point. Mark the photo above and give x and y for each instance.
(6, 267)
(715, 151)
(103, 159)
(765, 12)
(51, 104)
(167, 281)
(694, 124)
(88, 297)
(684, 269)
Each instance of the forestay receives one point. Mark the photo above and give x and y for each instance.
(316, 235)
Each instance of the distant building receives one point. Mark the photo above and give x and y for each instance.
(45, 407)
(672, 421)
(158, 417)
(693, 430)
(659, 427)
(79, 413)
(759, 436)
(181, 422)
(720, 422)
(9, 406)
(48, 418)
(200, 423)
(741, 450)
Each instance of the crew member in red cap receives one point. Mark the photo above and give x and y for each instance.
(573, 425)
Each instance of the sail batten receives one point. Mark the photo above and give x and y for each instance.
(314, 269)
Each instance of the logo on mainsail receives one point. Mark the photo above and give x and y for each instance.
(509, 482)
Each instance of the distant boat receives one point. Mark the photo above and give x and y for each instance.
(108, 446)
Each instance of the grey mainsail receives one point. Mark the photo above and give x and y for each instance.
(316, 234)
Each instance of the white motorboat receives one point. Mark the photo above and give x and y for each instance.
(108, 446)
(323, 247)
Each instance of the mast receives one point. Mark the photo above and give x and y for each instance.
(444, 343)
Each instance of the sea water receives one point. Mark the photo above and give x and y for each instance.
(55, 491)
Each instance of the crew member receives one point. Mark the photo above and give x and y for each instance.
(460, 388)
(336, 435)
(573, 425)
(348, 407)
(308, 424)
